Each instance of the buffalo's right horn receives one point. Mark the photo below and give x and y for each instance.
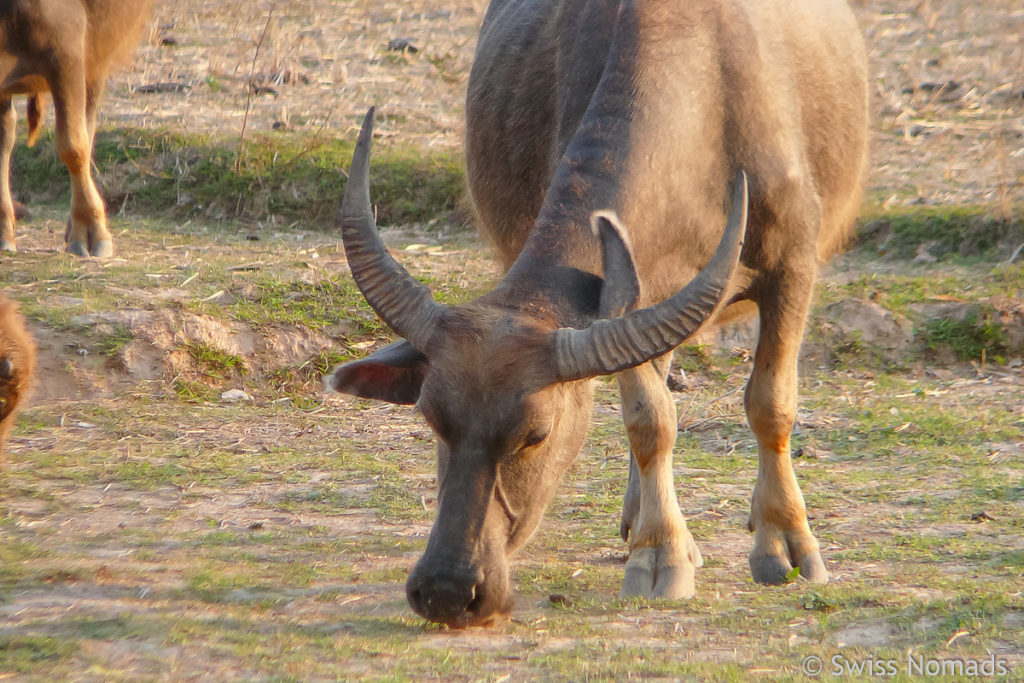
(610, 346)
(401, 301)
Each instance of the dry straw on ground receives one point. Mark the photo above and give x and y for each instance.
(947, 82)
(147, 536)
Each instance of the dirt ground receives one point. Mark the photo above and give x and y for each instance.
(171, 539)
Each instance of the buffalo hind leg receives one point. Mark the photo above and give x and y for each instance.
(778, 516)
(662, 553)
(8, 122)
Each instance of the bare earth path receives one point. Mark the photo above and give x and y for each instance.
(153, 529)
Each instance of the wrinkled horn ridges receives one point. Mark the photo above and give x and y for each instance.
(401, 301)
(610, 346)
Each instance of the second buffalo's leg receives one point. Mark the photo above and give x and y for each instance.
(74, 112)
(8, 122)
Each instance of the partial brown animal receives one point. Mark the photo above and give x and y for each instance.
(66, 48)
(17, 363)
(602, 139)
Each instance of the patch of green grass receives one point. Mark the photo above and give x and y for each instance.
(991, 486)
(295, 177)
(947, 232)
(396, 500)
(110, 628)
(695, 357)
(25, 654)
(193, 392)
(895, 291)
(316, 305)
(235, 577)
(146, 473)
(323, 362)
(214, 363)
(899, 291)
(302, 382)
(973, 338)
(212, 586)
(15, 555)
(819, 601)
(110, 345)
(1013, 558)
(894, 415)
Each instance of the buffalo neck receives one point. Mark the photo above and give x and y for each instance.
(558, 276)
(637, 150)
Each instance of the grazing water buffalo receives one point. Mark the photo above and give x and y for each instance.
(602, 139)
(66, 48)
(17, 362)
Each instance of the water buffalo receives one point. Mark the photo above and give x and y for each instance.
(602, 139)
(66, 48)
(17, 362)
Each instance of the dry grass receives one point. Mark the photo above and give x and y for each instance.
(949, 97)
(151, 533)
(321, 64)
(947, 86)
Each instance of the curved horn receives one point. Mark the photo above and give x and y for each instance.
(401, 301)
(609, 346)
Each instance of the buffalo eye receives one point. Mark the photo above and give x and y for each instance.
(535, 438)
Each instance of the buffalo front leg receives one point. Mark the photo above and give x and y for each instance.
(8, 121)
(74, 114)
(662, 553)
(778, 516)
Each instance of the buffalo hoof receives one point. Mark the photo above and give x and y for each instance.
(773, 570)
(663, 572)
(8, 245)
(77, 248)
(102, 249)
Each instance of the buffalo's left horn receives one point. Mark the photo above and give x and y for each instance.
(401, 301)
(610, 346)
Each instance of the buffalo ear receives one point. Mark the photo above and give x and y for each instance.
(621, 290)
(393, 374)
